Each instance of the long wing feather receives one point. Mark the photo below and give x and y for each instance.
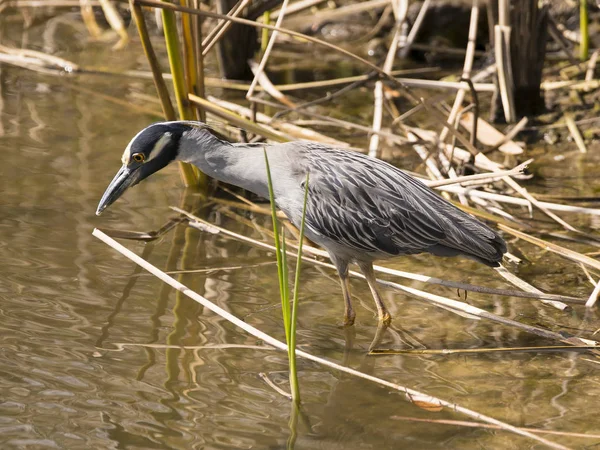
(370, 206)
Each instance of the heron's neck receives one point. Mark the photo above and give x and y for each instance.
(237, 164)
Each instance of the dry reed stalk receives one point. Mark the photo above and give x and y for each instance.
(267, 52)
(286, 127)
(591, 67)
(446, 85)
(593, 296)
(522, 284)
(410, 393)
(562, 251)
(23, 56)
(461, 423)
(476, 350)
(297, 7)
(222, 26)
(190, 176)
(238, 86)
(121, 346)
(338, 122)
(414, 30)
(268, 87)
(523, 192)
(559, 38)
(159, 82)
(400, 11)
(467, 68)
(519, 201)
(87, 14)
(508, 137)
(502, 33)
(240, 121)
(273, 386)
(577, 137)
(116, 23)
(484, 177)
(430, 164)
(47, 3)
(334, 14)
(488, 135)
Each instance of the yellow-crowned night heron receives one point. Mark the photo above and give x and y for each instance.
(359, 208)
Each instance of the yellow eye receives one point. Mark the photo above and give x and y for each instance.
(138, 157)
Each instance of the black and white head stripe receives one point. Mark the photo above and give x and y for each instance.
(153, 140)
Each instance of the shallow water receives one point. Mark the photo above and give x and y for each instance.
(85, 357)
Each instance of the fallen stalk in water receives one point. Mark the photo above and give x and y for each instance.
(411, 394)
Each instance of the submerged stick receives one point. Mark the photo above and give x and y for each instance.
(410, 393)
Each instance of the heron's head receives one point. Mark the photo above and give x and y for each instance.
(149, 151)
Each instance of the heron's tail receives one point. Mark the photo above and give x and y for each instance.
(468, 237)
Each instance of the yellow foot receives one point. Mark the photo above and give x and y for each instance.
(348, 321)
(385, 319)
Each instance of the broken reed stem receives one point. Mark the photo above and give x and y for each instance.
(410, 393)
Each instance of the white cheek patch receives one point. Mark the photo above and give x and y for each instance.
(159, 146)
(126, 155)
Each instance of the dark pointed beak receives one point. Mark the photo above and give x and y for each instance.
(122, 180)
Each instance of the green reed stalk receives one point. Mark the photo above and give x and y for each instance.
(189, 174)
(264, 39)
(290, 314)
(584, 45)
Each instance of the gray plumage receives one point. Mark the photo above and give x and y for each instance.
(359, 208)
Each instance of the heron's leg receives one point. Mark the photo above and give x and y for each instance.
(349, 314)
(367, 269)
(342, 268)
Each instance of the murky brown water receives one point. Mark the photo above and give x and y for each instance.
(85, 361)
